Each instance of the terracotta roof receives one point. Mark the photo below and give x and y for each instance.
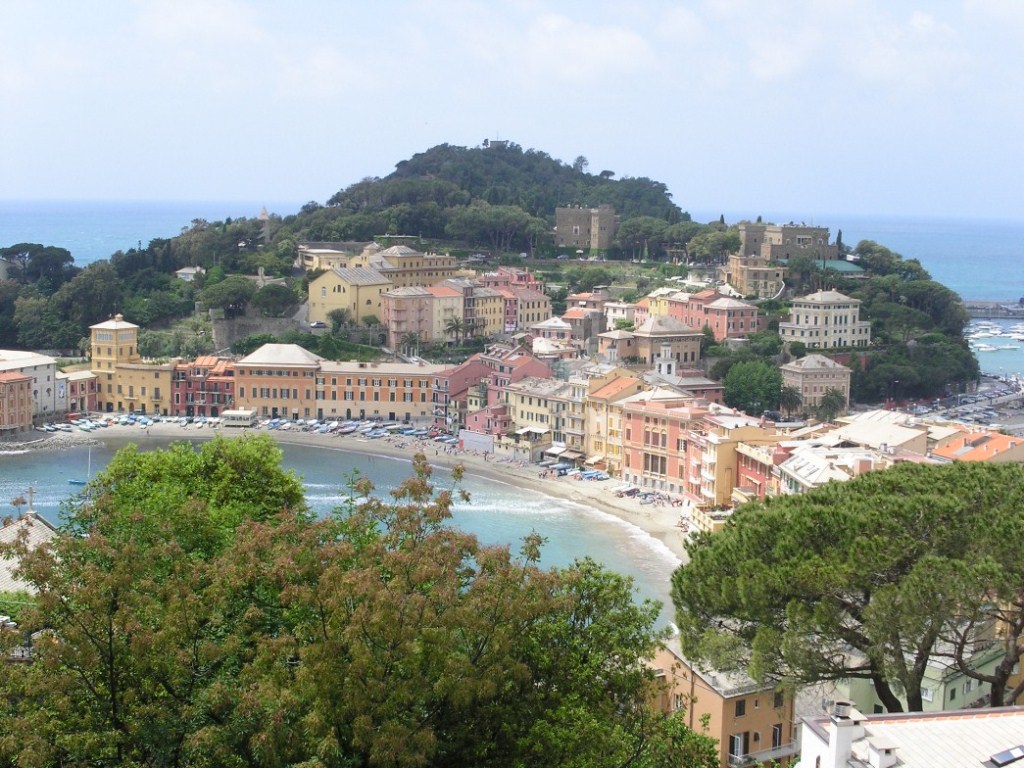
(12, 377)
(441, 291)
(977, 446)
(615, 387)
(576, 313)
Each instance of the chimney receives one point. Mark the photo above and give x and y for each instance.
(847, 727)
(881, 753)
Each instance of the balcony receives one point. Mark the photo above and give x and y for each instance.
(764, 756)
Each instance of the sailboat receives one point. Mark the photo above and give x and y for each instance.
(88, 474)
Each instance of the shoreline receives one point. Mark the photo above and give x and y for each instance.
(658, 522)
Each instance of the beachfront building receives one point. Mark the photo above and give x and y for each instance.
(826, 320)
(586, 229)
(712, 456)
(285, 380)
(354, 289)
(604, 420)
(655, 423)
(753, 723)
(814, 375)
(537, 405)
(77, 391)
(15, 404)
(143, 388)
(975, 737)
(47, 399)
(203, 387)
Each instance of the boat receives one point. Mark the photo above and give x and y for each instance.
(88, 473)
(984, 348)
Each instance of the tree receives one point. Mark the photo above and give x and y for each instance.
(273, 300)
(790, 399)
(832, 403)
(339, 318)
(867, 579)
(455, 326)
(752, 386)
(197, 615)
(232, 295)
(411, 343)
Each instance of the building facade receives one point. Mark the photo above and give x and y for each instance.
(814, 375)
(826, 320)
(15, 404)
(586, 229)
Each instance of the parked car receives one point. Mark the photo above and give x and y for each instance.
(318, 324)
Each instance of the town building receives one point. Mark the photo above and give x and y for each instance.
(586, 229)
(285, 380)
(753, 723)
(728, 318)
(203, 387)
(849, 739)
(826, 320)
(48, 398)
(604, 422)
(409, 312)
(511, 277)
(981, 445)
(758, 268)
(404, 266)
(143, 388)
(15, 404)
(189, 274)
(655, 423)
(657, 331)
(316, 256)
(814, 375)
(35, 531)
(79, 390)
(354, 289)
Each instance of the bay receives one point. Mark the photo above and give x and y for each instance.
(497, 513)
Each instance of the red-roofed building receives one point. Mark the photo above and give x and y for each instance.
(727, 318)
(982, 445)
(510, 277)
(203, 387)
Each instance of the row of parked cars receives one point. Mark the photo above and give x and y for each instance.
(367, 429)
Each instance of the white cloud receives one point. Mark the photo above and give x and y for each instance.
(572, 51)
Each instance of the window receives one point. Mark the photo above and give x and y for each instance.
(741, 708)
(779, 699)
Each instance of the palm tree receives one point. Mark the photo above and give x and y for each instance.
(833, 402)
(455, 326)
(411, 342)
(790, 399)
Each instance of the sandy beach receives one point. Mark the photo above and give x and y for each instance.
(658, 521)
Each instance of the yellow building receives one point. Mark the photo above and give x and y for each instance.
(143, 388)
(355, 289)
(125, 382)
(404, 267)
(490, 312)
(113, 342)
(537, 404)
(604, 421)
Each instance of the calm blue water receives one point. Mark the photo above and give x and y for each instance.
(497, 513)
(95, 230)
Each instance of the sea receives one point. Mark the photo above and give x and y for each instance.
(979, 259)
(497, 512)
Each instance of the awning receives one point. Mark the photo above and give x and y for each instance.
(595, 459)
(573, 455)
(555, 450)
(531, 430)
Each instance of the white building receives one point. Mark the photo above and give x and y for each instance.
(48, 395)
(972, 737)
(826, 320)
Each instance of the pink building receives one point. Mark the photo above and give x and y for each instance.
(15, 404)
(510, 277)
(655, 428)
(728, 318)
(203, 387)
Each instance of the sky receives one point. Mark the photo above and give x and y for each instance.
(798, 107)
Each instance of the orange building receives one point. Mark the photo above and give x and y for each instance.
(285, 380)
(752, 722)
